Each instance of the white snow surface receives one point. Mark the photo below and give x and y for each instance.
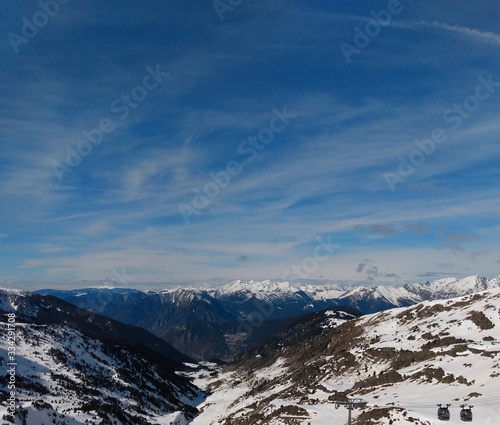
(36, 362)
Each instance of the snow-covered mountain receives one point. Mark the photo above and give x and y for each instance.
(62, 365)
(221, 322)
(368, 299)
(452, 287)
(402, 362)
(257, 288)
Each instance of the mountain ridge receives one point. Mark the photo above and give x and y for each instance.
(219, 323)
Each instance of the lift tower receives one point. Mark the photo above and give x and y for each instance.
(353, 403)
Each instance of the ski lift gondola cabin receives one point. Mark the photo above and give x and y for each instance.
(466, 414)
(443, 413)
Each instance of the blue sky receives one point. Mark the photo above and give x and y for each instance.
(158, 143)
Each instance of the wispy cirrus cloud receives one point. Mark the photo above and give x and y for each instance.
(465, 32)
(474, 34)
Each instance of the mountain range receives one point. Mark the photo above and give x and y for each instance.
(75, 367)
(219, 323)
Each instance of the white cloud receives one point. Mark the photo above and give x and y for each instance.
(470, 33)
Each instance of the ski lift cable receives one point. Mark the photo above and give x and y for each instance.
(482, 402)
(494, 401)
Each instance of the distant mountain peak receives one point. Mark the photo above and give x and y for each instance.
(255, 286)
(453, 287)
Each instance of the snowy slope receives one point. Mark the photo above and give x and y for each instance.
(61, 375)
(402, 362)
(59, 369)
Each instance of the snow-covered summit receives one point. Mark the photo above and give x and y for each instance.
(414, 292)
(255, 287)
(392, 294)
(453, 287)
(366, 297)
